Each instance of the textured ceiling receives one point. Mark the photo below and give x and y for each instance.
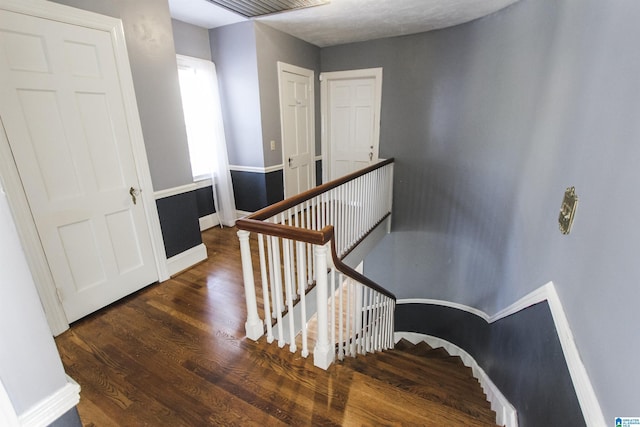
(346, 21)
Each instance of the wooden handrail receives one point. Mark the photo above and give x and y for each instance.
(316, 237)
(353, 274)
(282, 206)
(255, 223)
(320, 237)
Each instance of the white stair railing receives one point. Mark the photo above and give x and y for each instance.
(300, 244)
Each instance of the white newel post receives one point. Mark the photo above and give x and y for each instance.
(253, 325)
(322, 353)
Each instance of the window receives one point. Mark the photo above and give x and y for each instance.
(197, 77)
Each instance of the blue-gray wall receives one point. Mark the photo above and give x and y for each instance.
(489, 122)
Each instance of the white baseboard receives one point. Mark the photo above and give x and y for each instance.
(208, 221)
(584, 390)
(505, 412)
(53, 407)
(242, 214)
(186, 259)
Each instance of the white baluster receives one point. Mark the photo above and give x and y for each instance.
(359, 317)
(341, 335)
(272, 266)
(351, 317)
(303, 297)
(253, 326)
(332, 287)
(289, 292)
(265, 288)
(277, 273)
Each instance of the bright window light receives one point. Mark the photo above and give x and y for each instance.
(196, 80)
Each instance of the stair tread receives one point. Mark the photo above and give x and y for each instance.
(445, 380)
(454, 367)
(416, 410)
(464, 397)
(416, 369)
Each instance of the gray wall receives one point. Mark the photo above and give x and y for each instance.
(148, 33)
(233, 50)
(191, 40)
(489, 123)
(273, 46)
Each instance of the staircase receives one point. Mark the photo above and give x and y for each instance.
(302, 265)
(432, 387)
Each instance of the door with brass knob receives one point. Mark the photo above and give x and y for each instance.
(351, 103)
(74, 139)
(134, 194)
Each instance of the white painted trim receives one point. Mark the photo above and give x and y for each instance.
(324, 96)
(589, 404)
(53, 407)
(161, 194)
(8, 416)
(505, 412)
(532, 298)
(450, 304)
(242, 214)
(591, 410)
(256, 169)
(186, 259)
(202, 183)
(208, 221)
(318, 158)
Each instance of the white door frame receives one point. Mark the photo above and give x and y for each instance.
(11, 179)
(375, 73)
(288, 68)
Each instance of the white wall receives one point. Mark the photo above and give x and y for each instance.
(30, 367)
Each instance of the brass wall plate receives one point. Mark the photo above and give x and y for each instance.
(568, 210)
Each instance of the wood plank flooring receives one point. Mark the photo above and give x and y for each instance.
(174, 354)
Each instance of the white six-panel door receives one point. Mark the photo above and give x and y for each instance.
(351, 120)
(297, 125)
(62, 108)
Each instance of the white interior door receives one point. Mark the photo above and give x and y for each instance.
(62, 107)
(351, 117)
(297, 123)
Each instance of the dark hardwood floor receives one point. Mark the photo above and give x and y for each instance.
(174, 354)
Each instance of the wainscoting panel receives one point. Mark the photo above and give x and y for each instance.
(256, 190)
(179, 222)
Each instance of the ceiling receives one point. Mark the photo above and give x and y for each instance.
(346, 21)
